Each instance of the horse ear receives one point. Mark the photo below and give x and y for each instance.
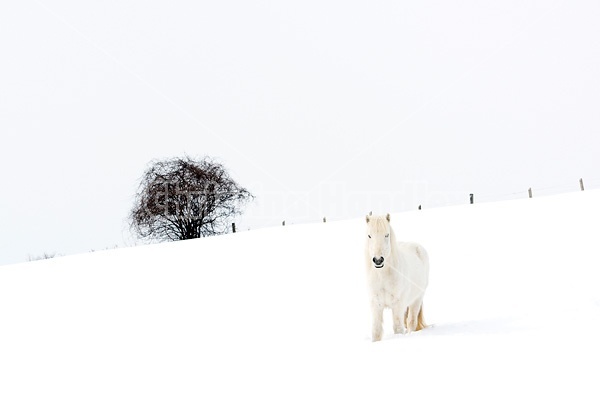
(388, 217)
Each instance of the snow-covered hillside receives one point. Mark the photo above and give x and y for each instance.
(513, 303)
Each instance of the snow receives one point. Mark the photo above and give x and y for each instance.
(513, 304)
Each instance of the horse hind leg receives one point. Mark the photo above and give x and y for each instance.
(414, 318)
(411, 320)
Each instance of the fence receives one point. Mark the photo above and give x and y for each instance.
(472, 198)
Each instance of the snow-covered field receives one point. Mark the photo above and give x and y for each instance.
(513, 303)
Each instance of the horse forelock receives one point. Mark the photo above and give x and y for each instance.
(379, 223)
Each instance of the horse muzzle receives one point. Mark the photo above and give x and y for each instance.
(378, 262)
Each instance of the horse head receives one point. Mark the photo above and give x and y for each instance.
(378, 239)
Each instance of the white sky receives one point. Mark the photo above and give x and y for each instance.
(320, 108)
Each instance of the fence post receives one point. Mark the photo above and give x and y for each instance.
(581, 183)
(283, 223)
(233, 227)
(324, 219)
(471, 198)
(419, 206)
(530, 193)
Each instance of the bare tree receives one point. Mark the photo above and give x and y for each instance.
(184, 198)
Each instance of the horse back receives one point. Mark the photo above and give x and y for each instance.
(415, 258)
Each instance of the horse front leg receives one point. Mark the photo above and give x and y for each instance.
(399, 314)
(377, 311)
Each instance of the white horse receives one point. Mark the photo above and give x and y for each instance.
(397, 275)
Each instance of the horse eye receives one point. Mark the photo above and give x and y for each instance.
(387, 235)
(369, 236)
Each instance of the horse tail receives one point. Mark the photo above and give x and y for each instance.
(420, 320)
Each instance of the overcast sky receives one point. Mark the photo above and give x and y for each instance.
(320, 108)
